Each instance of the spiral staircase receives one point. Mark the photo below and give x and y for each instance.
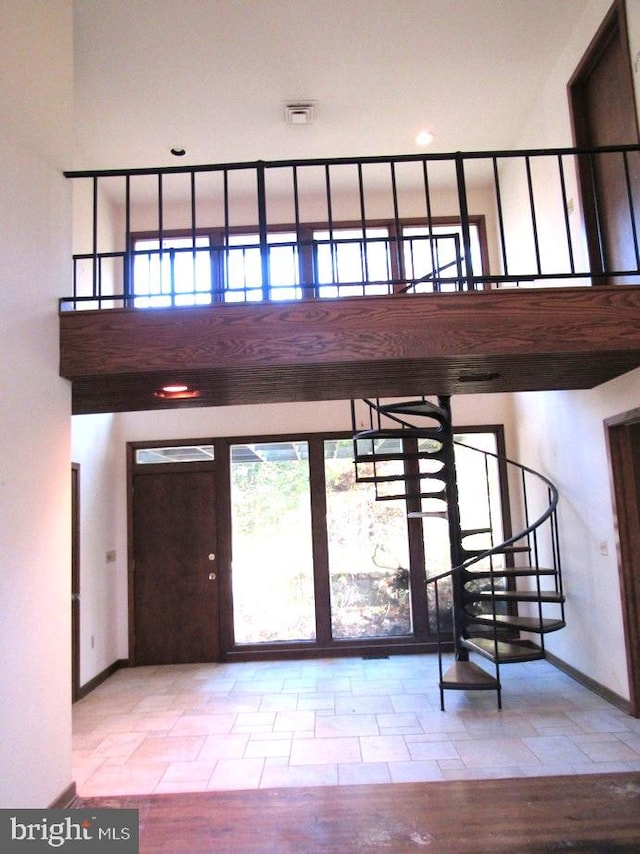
(503, 592)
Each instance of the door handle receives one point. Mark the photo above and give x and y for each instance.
(212, 556)
(212, 576)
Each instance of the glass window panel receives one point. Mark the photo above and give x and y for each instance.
(176, 454)
(272, 563)
(438, 252)
(244, 267)
(347, 259)
(179, 275)
(368, 554)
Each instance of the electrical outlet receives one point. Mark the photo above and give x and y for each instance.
(93, 641)
(111, 556)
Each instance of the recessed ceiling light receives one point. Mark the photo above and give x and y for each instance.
(176, 392)
(424, 137)
(175, 388)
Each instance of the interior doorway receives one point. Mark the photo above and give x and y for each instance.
(623, 436)
(603, 112)
(174, 611)
(75, 582)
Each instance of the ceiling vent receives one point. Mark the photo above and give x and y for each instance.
(299, 114)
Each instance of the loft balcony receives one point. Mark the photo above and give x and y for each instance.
(346, 278)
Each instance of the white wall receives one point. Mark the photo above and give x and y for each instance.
(562, 435)
(35, 229)
(94, 447)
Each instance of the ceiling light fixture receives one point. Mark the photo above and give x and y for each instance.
(176, 392)
(424, 137)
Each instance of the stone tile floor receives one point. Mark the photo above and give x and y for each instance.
(202, 727)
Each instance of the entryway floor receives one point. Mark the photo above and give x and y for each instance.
(205, 727)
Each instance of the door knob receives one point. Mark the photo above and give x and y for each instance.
(212, 576)
(212, 556)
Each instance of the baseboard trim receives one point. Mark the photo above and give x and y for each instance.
(606, 694)
(65, 799)
(92, 684)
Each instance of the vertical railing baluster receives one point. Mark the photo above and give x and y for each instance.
(464, 221)
(129, 284)
(194, 231)
(627, 176)
(565, 208)
(332, 246)
(227, 249)
(364, 254)
(160, 234)
(532, 208)
(432, 245)
(601, 260)
(503, 241)
(94, 291)
(263, 230)
(396, 216)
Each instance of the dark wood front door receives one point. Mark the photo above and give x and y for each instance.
(604, 113)
(175, 584)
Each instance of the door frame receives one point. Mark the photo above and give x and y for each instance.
(132, 447)
(614, 25)
(625, 491)
(75, 582)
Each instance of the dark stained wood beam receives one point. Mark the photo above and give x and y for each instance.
(488, 341)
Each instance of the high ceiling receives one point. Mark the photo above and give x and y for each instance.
(213, 76)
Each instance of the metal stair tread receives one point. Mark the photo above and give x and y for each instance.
(508, 651)
(508, 571)
(423, 408)
(528, 624)
(467, 675)
(517, 595)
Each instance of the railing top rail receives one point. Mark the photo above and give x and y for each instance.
(343, 161)
(553, 503)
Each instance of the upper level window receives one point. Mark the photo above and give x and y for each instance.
(308, 262)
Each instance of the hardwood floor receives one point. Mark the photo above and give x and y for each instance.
(588, 813)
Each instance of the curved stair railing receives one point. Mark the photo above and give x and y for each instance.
(497, 601)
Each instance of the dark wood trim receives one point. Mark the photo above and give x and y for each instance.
(613, 26)
(623, 440)
(75, 582)
(606, 694)
(320, 543)
(92, 684)
(223, 514)
(65, 799)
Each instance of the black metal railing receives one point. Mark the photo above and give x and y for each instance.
(246, 232)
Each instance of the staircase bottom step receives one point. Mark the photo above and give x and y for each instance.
(508, 651)
(468, 676)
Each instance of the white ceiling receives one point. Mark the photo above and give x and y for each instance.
(214, 76)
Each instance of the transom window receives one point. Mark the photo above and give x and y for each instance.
(305, 262)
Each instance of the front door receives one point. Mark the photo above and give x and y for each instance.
(175, 584)
(604, 113)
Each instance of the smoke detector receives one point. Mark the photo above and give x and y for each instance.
(299, 113)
